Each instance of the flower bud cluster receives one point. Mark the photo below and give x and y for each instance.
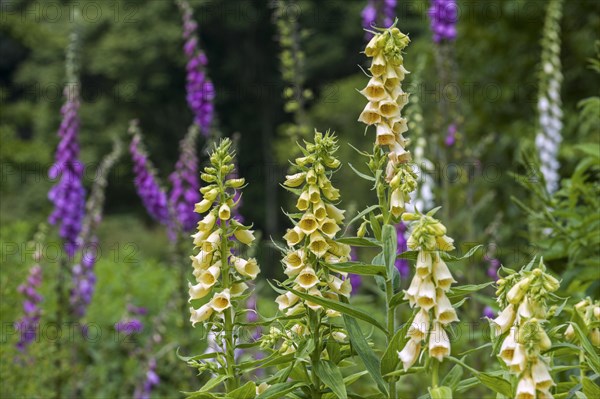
(386, 97)
(589, 312)
(311, 240)
(219, 274)
(523, 296)
(427, 290)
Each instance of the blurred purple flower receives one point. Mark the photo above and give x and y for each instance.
(68, 195)
(129, 326)
(138, 310)
(28, 324)
(443, 15)
(378, 13)
(185, 190)
(200, 90)
(152, 195)
(84, 279)
(402, 264)
(151, 380)
(451, 135)
(489, 312)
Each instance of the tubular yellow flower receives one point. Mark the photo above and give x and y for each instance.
(238, 289)
(221, 301)
(423, 265)
(339, 286)
(444, 311)
(295, 180)
(519, 360)
(507, 350)
(211, 244)
(244, 236)
(209, 277)
(329, 227)
(286, 300)
(200, 315)
(420, 326)
(303, 201)
(308, 224)
(224, 212)
(441, 274)
(439, 343)
(374, 91)
(197, 291)
(505, 320)
(247, 268)
(207, 223)
(314, 194)
(409, 355)
(320, 211)
(525, 388)
(203, 206)
(293, 236)
(426, 295)
(541, 377)
(307, 278)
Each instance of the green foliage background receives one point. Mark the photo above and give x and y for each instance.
(132, 66)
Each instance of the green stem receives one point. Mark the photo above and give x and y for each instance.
(435, 379)
(232, 380)
(61, 306)
(391, 327)
(461, 363)
(316, 353)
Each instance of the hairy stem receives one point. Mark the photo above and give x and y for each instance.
(316, 353)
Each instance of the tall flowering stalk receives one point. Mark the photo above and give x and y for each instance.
(427, 292)
(68, 195)
(550, 114)
(311, 257)
(153, 196)
(443, 15)
(27, 326)
(83, 276)
(378, 13)
(185, 188)
(200, 89)
(220, 275)
(523, 298)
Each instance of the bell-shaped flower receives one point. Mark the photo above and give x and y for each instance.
(200, 315)
(320, 211)
(339, 249)
(444, 311)
(224, 212)
(426, 295)
(423, 265)
(286, 300)
(293, 236)
(207, 223)
(445, 243)
(524, 309)
(314, 194)
(199, 237)
(519, 360)
(221, 301)
(399, 126)
(339, 286)
(330, 192)
(318, 245)
(308, 224)
(378, 65)
(197, 291)
(525, 388)
(398, 154)
(329, 227)
(411, 293)
(441, 274)
(420, 326)
(409, 355)
(238, 289)
(439, 343)
(247, 268)
(203, 206)
(314, 306)
(388, 108)
(303, 202)
(245, 236)
(202, 260)
(385, 135)
(507, 350)
(505, 320)
(295, 259)
(369, 116)
(518, 291)
(335, 213)
(375, 91)
(295, 180)
(212, 243)
(397, 203)
(307, 278)
(541, 376)
(209, 277)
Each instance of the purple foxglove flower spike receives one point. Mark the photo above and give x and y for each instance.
(378, 13)
(443, 15)
(28, 324)
(402, 264)
(68, 195)
(185, 190)
(451, 135)
(152, 195)
(200, 90)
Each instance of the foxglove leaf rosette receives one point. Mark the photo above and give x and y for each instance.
(311, 240)
(523, 298)
(427, 290)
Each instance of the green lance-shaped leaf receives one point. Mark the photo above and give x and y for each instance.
(363, 269)
(496, 383)
(246, 391)
(279, 390)
(331, 376)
